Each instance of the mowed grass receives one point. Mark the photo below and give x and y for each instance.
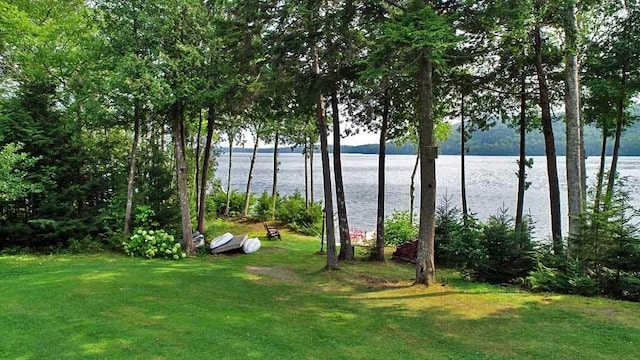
(279, 304)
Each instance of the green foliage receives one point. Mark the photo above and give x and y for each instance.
(571, 278)
(153, 244)
(261, 210)
(508, 254)
(293, 211)
(458, 242)
(86, 245)
(491, 252)
(144, 217)
(398, 228)
(606, 250)
(217, 202)
(13, 173)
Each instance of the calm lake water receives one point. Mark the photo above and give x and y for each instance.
(491, 183)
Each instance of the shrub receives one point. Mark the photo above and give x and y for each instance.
(152, 244)
(87, 245)
(398, 228)
(571, 278)
(261, 210)
(305, 219)
(508, 254)
(492, 252)
(144, 217)
(608, 249)
(302, 218)
(458, 242)
(310, 221)
(217, 202)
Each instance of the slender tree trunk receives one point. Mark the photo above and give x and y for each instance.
(137, 113)
(412, 188)
(572, 111)
(181, 170)
(550, 148)
(332, 258)
(616, 144)
(463, 187)
(204, 178)
(522, 175)
(247, 196)
(425, 266)
(313, 148)
(600, 180)
(197, 181)
(306, 173)
(381, 179)
(583, 168)
(274, 189)
(346, 250)
(227, 208)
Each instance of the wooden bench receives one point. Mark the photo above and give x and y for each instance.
(272, 232)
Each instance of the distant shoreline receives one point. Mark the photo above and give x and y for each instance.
(500, 140)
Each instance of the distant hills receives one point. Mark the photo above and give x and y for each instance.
(500, 140)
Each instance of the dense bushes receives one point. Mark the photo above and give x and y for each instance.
(399, 228)
(302, 218)
(261, 210)
(492, 251)
(604, 257)
(217, 202)
(291, 210)
(152, 244)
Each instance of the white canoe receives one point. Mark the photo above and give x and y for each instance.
(220, 240)
(235, 243)
(251, 245)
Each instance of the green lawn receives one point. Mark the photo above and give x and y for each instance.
(279, 304)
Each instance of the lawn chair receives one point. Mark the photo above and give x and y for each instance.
(272, 232)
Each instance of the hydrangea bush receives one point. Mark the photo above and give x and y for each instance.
(153, 244)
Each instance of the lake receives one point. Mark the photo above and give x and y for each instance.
(491, 183)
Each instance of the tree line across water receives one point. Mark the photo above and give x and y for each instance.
(111, 106)
(499, 140)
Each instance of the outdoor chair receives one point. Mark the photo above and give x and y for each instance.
(272, 232)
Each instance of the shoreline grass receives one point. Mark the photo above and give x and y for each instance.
(279, 304)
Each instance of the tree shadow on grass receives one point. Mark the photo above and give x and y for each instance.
(205, 308)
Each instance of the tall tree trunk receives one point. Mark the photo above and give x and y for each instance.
(550, 148)
(204, 178)
(425, 266)
(346, 250)
(381, 180)
(412, 188)
(274, 189)
(616, 144)
(522, 160)
(463, 187)
(332, 258)
(313, 149)
(572, 111)
(247, 196)
(306, 173)
(600, 180)
(137, 113)
(181, 170)
(227, 208)
(198, 154)
(583, 168)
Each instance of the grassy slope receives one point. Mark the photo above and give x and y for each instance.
(277, 303)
